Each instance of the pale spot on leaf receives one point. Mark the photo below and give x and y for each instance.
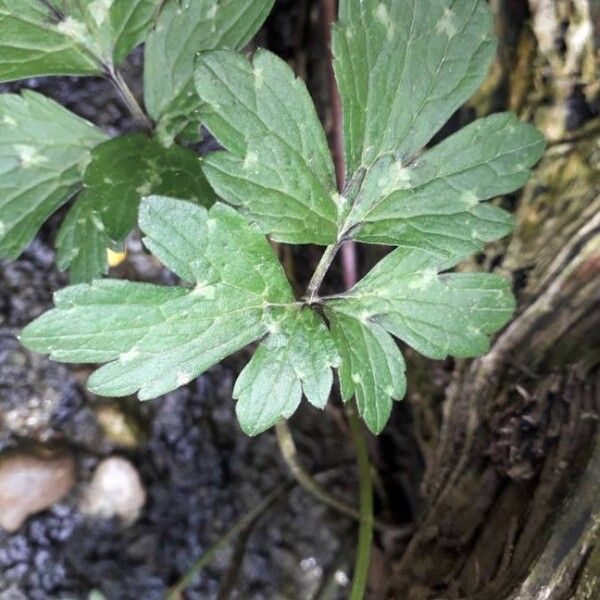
(382, 15)
(99, 10)
(424, 281)
(129, 356)
(446, 24)
(469, 198)
(144, 190)
(183, 378)
(250, 160)
(259, 78)
(204, 290)
(211, 13)
(73, 28)
(29, 156)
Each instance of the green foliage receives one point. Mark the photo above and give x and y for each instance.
(403, 68)
(184, 29)
(45, 149)
(296, 357)
(121, 172)
(69, 37)
(278, 170)
(159, 338)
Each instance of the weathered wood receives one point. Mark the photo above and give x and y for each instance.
(512, 498)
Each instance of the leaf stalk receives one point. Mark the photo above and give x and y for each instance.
(317, 279)
(130, 100)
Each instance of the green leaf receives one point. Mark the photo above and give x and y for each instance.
(277, 168)
(73, 38)
(34, 42)
(130, 23)
(296, 357)
(154, 338)
(437, 314)
(406, 296)
(82, 242)
(125, 169)
(44, 149)
(403, 68)
(215, 247)
(437, 198)
(184, 29)
(372, 368)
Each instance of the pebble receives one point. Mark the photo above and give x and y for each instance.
(115, 491)
(30, 484)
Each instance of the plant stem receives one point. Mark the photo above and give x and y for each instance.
(303, 477)
(365, 531)
(317, 279)
(244, 522)
(130, 100)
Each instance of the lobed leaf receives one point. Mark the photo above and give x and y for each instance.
(185, 28)
(277, 168)
(155, 338)
(296, 357)
(372, 368)
(437, 314)
(403, 68)
(437, 198)
(44, 149)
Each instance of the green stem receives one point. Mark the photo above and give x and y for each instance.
(317, 279)
(130, 100)
(289, 452)
(365, 531)
(245, 521)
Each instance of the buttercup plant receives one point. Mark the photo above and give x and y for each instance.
(402, 67)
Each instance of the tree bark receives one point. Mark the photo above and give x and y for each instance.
(511, 489)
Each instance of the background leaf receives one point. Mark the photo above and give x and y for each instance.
(71, 38)
(44, 149)
(82, 242)
(278, 169)
(184, 29)
(130, 24)
(33, 42)
(125, 169)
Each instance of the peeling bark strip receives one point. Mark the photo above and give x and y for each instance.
(512, 502)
